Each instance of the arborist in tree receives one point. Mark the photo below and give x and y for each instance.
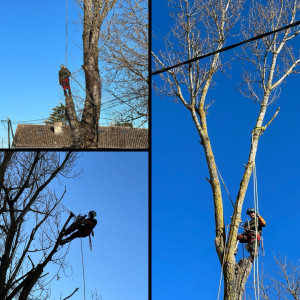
(83, 225)
(249, 235)
(64, 80)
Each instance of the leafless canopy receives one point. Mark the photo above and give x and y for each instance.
(30, 221)
(272, 59)
(199, 27)
(124, 53)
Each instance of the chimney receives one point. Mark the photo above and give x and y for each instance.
(57, 127)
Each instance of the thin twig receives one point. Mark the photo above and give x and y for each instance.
(71, 294)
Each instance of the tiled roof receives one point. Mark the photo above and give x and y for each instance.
(47, 136)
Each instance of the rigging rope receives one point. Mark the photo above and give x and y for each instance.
(82, 268)
(225, 186)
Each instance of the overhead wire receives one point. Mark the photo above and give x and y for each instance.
(260, 36)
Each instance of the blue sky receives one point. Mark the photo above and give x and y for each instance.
(185, 264)
(115, 185)
(33, 48)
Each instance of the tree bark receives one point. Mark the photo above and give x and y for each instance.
(235, 277)
(76, 134)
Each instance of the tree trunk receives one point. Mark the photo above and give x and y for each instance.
(91, 30)
(76, 133)
(235, 277)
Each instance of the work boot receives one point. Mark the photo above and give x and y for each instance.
(69, 93)
(65, 92)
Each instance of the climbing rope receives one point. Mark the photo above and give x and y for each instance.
(256, 271)
(67, 210)
(223, 262)
(82, 268)
(66, 57)
(256, 208)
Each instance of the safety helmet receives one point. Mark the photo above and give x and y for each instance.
(250, 211)
(92, 214)
(62, 66)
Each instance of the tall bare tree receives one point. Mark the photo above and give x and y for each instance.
(204, 26)
(30, 221)
(85, 131)
(124, 53)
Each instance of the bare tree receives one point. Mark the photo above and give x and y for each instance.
(30, 221)
(283, 283)
(204, 26)
(124, 52)
(85, 131)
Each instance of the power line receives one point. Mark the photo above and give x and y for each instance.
(226, 48)
(30, 121)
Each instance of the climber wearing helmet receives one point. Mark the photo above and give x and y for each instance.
(249, 235)
(64, 81)
(83, 226)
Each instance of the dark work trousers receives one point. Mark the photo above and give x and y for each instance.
(250, 238)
